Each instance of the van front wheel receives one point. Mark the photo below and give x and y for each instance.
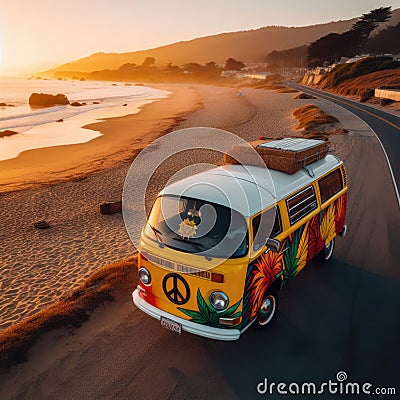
(267, 310)
(327, 252)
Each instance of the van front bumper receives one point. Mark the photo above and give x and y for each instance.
(188, 326)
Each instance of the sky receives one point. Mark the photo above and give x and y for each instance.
(35, 35)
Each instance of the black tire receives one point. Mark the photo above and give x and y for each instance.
(327, 252)
(268, 310)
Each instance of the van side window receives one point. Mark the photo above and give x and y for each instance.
(330, 184)
(262, 227)
(301, 204)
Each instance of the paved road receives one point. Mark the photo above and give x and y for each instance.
(385, 125)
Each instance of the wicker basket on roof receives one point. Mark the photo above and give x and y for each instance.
(288, 155)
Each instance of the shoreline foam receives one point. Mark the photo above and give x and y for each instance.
(114, 142)
(71, 131)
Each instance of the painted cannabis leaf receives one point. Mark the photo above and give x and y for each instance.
(207, 315)
(302, 249)
(328, 225)
(290, 259)
(340, 213)
(263, 273)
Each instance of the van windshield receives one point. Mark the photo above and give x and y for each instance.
(197, 226)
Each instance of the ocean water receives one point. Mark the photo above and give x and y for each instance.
(37, 127)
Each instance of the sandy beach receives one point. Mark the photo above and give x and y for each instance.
(39, 266)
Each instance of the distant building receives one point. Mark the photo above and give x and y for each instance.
(229, 73)
(261, 75)
(357, 58)
(394, 57)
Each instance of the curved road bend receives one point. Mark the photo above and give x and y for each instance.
(385, 125)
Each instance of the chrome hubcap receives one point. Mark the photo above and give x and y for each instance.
(329, 250)
(267, 310)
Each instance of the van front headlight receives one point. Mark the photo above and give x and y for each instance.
(144, 276)
(219, 300)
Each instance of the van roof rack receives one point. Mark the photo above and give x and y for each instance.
(287, 154)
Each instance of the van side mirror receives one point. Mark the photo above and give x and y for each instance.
(274, 245)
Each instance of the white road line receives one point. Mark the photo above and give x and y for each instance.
(362, 106)
(387, 158)
(383, 148)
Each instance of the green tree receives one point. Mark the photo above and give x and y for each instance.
(192, 67)
(370, 21)
(386, 41)
(234, 65)
(348, 44)
(295, 57)
(148, 62)
(326, 48)
(211, 66)
(128, 67)
(172, 68)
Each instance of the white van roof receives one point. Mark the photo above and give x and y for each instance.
(248, 189)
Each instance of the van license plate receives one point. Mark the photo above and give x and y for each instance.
(173, 326)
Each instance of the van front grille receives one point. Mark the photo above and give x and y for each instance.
(162, 262)
(186, 269)
(193, 271)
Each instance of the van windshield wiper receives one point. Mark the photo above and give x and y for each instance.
(197, 246)
(157, 234)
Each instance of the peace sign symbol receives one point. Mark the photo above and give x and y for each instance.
(176, 289)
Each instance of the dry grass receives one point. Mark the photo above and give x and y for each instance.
(114, 281)
(362, 77)
(386, 102)
(361, 85)
(277, 86)
(360, 69)
(273, 78)
(287, 90)
(302, 95)
(310, 116)
(271, 82)
(316, 124)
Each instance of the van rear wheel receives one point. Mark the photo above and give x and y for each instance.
(327, 252)
(267, 310)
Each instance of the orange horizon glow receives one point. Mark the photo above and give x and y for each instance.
(35, 37)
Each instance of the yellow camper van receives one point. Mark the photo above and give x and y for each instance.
(217, 246)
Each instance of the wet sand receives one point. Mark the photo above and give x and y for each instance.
(121, 138)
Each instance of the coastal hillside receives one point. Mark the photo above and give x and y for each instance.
(248, 46)
(359, 78)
